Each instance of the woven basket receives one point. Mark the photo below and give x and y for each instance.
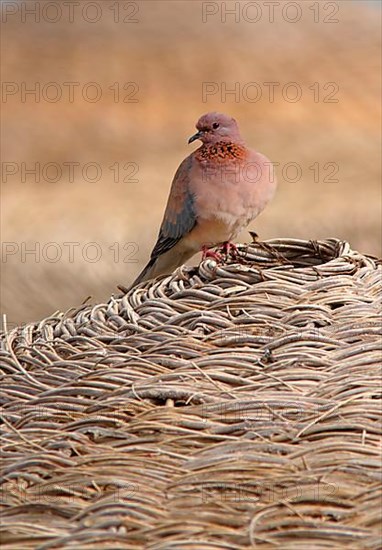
(222, 407)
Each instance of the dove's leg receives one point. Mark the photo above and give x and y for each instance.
(209, 253)
(230, 249)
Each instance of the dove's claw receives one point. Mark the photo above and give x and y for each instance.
(209, 253)
(230, 249)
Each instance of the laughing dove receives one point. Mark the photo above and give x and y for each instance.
(216, 192)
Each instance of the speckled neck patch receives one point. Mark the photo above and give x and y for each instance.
(221, 151)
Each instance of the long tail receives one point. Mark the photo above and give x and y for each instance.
(164, 264)
(146, 273)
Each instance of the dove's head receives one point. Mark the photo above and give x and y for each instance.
(214, 127)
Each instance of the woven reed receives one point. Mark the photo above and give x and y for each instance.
(223, 407)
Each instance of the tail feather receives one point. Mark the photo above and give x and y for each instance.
(164, 264)
(146, 273)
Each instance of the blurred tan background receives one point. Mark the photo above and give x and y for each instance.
(168, 53)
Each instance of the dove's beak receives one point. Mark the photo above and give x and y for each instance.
(198, 135)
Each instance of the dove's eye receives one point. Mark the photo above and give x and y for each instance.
(215, 125)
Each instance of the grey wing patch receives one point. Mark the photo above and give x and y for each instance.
(162, 245)
(171, 232)
(179, 217)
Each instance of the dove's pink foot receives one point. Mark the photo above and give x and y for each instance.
(209, 253)
(230, 249)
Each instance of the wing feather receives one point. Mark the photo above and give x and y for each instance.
(179, 217)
